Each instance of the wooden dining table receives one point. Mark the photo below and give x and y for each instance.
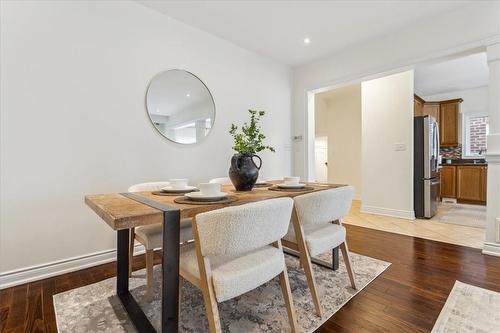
(123, 211)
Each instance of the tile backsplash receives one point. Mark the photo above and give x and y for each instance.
(451, 152)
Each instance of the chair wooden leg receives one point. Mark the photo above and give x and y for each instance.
(287, 296)
(206, 285)
(131, 250)
(348, 266)
(211, 307)
(149, 275)
(306, 264)
(311, 281)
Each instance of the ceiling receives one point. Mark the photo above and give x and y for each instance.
(457, 74)
(277, 29)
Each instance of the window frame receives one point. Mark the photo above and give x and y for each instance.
(466, 131)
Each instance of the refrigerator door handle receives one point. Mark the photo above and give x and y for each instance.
(436, 182)
(436, 130)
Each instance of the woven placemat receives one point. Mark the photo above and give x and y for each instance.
(302, 189)
(263, 185)
(186, 200)
(172, 194)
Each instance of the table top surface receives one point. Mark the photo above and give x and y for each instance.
(120, 212)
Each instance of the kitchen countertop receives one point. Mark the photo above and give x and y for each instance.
(464, 164)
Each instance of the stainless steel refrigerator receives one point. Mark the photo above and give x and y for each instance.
(426, 182)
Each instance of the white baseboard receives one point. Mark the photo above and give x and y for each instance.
(492, 249)
(39, 272)
(402, 214)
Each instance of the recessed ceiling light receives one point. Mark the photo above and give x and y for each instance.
(307, 40)
(188, 95)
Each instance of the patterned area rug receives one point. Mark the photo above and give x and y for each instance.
(95, 308)
(462, 214)
(469, 309)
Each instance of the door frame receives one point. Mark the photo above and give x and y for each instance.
(312, 90)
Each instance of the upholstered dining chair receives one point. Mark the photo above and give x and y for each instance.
(221, 180)
(236, 250)
(151, 236)
(317, 227)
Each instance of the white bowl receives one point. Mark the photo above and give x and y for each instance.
(290, 186)
(170, 189)
(291, 180)
(198, 196)
(178, 183)
(209, 189)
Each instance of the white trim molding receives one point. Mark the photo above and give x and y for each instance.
(402, 214)
(39, 272)
(492, 249)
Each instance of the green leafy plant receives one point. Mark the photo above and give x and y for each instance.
(249, 140)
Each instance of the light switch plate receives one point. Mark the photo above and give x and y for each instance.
(400, 146)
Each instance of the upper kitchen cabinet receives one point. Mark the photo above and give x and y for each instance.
(423, 108)
(448, 122)
(418, 106)
(432, 109)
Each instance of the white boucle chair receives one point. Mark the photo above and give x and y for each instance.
(236, 250)
(151, 236)
(317, 227)
(222, 181)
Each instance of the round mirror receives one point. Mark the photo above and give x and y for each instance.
(180, 106)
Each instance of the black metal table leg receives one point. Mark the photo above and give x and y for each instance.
(122, 257)
(133, 309)
(335, 258)
(334, 265)
(170, 271)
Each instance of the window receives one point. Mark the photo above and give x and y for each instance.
(476, 129)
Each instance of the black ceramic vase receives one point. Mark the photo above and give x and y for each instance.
(244, 172)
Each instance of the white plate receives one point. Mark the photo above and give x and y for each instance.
(283, 185)
(198, 196)
(170, 189)
(261, 182)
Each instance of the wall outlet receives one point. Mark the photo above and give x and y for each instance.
(400, 146)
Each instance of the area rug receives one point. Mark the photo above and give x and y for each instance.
(469, 309)
(461, 214)
(95, 308)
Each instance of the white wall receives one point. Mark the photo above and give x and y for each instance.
(475, 100)
(338, 117)
(422, 41)
(73, 121)
(387, 120)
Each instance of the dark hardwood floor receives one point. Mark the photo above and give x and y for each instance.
(407, 297)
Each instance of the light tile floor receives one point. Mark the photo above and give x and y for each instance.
(430, 229)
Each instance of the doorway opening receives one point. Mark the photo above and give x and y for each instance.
(321, 158)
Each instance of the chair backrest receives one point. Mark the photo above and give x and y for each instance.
(235, 230)
(324, 206)
(152, 186)
(222, 181)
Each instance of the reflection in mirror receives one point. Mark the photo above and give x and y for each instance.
(180, 106)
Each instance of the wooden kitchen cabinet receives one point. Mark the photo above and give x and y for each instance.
(448, 182)
(484, 187)
(471, 183)
(431, 109)
(448, 122)
(418, 106)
